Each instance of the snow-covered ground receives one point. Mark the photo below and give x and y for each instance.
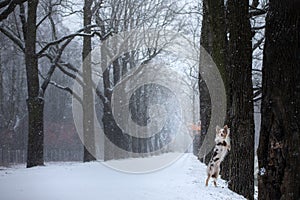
(183, 180)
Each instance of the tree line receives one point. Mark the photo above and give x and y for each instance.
(52, 62)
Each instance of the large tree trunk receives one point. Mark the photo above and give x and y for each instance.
(115, 141)
(35, 103)
(240, 165)
(279, 145)
(1, 91)
(205, 101)
(88, 96)
(213, 40)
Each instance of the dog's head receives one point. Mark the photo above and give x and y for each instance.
(222, 132)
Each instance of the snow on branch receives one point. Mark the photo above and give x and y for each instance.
(67, 37)
(72, 36)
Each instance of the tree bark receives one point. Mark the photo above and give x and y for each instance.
(213, 40)
(205, 101)
(35, 102)
(279, 144)
(240, 161)
(116, 143)
(88, 96)
(1, 91)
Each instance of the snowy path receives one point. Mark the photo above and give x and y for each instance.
(183, 180)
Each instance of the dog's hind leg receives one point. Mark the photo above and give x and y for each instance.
(215, 182)
(215, 179)
(206, 182)
(215, 176)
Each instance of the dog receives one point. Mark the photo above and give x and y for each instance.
(221, 149)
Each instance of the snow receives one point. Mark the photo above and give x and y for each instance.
(182, 180)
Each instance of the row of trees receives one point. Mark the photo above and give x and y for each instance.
(50, 55)
(226, 35)
(24, 33)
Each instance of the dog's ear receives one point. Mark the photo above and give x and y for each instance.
(218, 129)
(226, 129)
(228, 132)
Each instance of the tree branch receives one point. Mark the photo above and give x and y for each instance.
(43, 19)
(61, 40)
(55, 60)
(12, 37)
(4, 3)
(72, 36)
(258, 28)
(258, 43)
(257, 70)
(23, 20)
(11, 5)
(69, 90)
(254, 11)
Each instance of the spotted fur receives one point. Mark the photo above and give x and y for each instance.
(221, 149)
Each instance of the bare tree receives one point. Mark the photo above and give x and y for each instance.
(126, 16)
(35, 102)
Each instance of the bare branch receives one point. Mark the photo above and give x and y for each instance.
(54, 61)
(71, 36)
(258, 43)
(182, 12)
(257, 70)
(43, 19)
(258, 28)
(12, 37)
(69, 90)
(11, 5)
(4, 3)
(257, 99)
(96, 7)
(254, 11)
(23, 20)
